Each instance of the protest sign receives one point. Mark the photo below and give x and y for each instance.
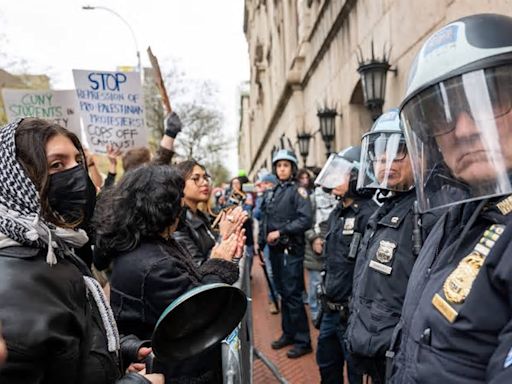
(59, 106)
(112, 109)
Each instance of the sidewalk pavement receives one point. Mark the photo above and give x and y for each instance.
(266, 328)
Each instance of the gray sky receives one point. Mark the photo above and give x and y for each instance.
(204, 36)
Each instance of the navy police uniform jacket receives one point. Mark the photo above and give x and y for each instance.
(345, 230)
(287, 209)
(384, 264)
(456, 325)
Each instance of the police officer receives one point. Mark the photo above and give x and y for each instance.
(345, 228)
(385, 258)
(287, 215)
(456, 324)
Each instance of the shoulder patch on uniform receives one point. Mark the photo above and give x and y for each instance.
(302, 191)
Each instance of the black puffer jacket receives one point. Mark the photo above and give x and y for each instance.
(53, 333)
(146, 280)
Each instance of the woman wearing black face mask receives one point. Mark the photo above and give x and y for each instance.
(72, 195)
(56, 321)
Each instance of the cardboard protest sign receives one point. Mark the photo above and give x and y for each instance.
(112, 109)
(59, 106)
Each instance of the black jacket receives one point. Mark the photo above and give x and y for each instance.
(384, 264)
(146, 280)
(53, 333)
(346, 226)
(194, 233)
(287, 208)
(456, 323)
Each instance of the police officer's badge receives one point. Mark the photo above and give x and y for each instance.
(458, 284)
(349, 225)
(302, 191)
(386, 251)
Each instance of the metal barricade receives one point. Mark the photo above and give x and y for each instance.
(237, 348)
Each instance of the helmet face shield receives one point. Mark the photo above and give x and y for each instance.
(458, 132)
(384, 162)
(335, 172)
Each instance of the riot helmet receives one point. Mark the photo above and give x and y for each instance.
(340, 168)
(456, 112)
(385, 163)
(285, 154)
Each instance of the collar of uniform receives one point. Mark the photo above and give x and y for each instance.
(385, 195)
(284, 183)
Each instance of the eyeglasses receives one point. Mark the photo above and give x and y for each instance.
(387, 146)
(198, 178)
(400, 154)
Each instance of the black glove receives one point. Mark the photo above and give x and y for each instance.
(172, 125)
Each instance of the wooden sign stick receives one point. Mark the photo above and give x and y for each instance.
(159, 81)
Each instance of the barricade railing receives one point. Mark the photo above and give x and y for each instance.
(237, 348)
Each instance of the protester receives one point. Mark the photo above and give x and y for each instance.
(304, 180)
(135, 223)
(388, 251)
(287, 215)
(217, 200)
(194, 230)
(236, 195)
(245, 200)
(135, 158)
(94, 173)
(346, 226)
(57, 324)
(112, 155)
(457, 114)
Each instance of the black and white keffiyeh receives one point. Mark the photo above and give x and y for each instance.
(20, 206)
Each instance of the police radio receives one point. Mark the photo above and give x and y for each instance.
(417, 240)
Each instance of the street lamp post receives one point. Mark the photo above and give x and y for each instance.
(373, 79)
(304, 138)
(327, 118)
(90, 8)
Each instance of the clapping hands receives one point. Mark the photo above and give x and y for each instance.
(231, 221)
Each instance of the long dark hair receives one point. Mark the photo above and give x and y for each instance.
(31, 138)
(304, 171)
(186, 167)
(146, 201)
